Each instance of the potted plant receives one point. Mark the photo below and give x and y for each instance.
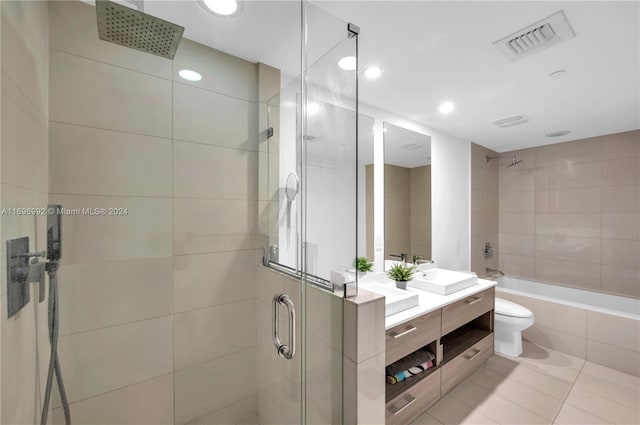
(401, 273)
(363, 265)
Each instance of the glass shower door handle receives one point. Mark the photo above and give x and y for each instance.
(286, 351)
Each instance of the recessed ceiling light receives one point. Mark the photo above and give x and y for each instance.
(372, 72)
(558, 133)
(559, 73)
(446, 107)
(348, 63)
(222, 7)
(190, 75)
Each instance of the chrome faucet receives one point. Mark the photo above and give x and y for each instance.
(421, 260)
(402, 257)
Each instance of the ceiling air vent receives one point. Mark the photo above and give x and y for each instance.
(510, 121)
(543, 34)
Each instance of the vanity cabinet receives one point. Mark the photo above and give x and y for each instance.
(460, 335)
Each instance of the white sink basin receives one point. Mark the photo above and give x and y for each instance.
(395, 300)
(443, 282)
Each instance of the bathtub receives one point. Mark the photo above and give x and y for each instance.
(598, 327)
(580, 298)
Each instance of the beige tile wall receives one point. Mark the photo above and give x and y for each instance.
(420, 211)
(407, 211)
(484, 209)
(570, 214)
(397, 210)
(158, 306)
(23, 183)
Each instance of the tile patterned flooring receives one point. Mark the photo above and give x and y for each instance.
(543, 386)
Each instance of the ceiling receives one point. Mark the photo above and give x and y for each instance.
(435, 51)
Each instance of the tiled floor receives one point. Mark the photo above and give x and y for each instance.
(542, 386)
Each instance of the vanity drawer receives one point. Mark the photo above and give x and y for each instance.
(406, 338)
(457, 314)
(454, 371)
(415, 400)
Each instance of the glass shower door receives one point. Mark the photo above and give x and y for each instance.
(309, 214)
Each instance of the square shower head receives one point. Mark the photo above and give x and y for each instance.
(130, 28)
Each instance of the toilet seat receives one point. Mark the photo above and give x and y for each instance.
(511, 309)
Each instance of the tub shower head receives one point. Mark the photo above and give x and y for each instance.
(135, 29)
(514, 162)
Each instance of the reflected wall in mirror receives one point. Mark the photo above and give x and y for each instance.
(407, 194)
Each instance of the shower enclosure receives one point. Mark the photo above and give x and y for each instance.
(204, 292)
(308, 213)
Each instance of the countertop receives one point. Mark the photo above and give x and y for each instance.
(427, 301)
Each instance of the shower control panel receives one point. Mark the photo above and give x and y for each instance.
(23, 267)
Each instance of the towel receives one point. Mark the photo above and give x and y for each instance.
(414, 359)
(413, 364)
(409, 372)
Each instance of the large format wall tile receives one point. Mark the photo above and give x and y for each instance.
(215, 119)
(144, 232)
(517, 223)
(221, 72)
(103, 162)
(621, 253)
(24, 140)
(70, 18)
(96, 94)
(561, 247)
(95, 362)
(209, 333)
(621, 145)
(202, 226)
(25, 44)
(621, 226)
(582, 200)
(569, 224)
(561, 317)
(97, 295)
(586, 150)
(569, 176)
(204, 280)
(621, 280)
(517, 202)
(568, 273)
(211, 386)
(149, 402)
(621, 199)
(614, 330)
(17, 362)
(621, 172)
(202, 171)
(20, 225)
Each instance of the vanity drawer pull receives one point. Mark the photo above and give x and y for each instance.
(408, 331)
(473, 301)
(409, 401)
(474, 355)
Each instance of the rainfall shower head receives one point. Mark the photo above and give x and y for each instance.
(514, 162)
(134, 29)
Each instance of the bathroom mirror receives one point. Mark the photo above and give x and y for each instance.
(407, 193)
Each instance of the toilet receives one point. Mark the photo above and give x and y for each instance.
(510, 320)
